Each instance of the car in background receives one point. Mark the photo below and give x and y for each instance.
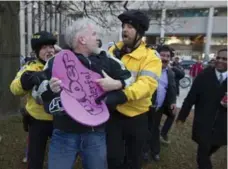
(187, 64)
(205, 64)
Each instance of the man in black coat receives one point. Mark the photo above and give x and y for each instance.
(210, 119)
(164, 102)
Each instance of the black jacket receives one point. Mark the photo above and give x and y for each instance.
(179, 74)
(210, 117)
(170, 97)
(96, 63)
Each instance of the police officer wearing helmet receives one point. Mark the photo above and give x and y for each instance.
(38, 121)
(134, 24)
(127, 128)
(43, 45)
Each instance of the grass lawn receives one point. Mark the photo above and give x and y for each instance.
(180, 154)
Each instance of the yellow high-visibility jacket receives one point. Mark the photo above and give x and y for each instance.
(145, 67)
(35, 110)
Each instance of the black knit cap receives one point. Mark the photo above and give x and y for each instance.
(137, 19)
(42, 38)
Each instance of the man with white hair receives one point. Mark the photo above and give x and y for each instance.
(57, 48)
(69, 137)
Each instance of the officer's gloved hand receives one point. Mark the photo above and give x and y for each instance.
(113, 98)
(29, 79)
(39, 91)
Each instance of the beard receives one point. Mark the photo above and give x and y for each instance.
(165, 61)
(93, 49)
(127, 42)
(96, 51)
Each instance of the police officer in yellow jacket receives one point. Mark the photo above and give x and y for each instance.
(127, 128)
(40, 123)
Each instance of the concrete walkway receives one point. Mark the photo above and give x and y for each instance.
(182, 96)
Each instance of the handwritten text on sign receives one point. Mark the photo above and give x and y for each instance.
(81, 86)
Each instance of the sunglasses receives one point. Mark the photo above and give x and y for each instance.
(223, 58)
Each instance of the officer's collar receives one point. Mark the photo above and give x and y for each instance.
(42, 61)
(138, 53)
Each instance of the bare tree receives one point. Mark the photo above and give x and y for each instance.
(9, 53)
(154, 11)
(104, 13)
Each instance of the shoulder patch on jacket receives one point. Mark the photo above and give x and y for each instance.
(31, 62)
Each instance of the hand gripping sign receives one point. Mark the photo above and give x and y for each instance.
(79, 90)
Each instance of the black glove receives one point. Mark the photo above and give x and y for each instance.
(31, 78)
(113, 98)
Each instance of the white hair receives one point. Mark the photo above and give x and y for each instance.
(77, 28)
(57, 48)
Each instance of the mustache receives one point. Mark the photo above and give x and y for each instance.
(165, 61)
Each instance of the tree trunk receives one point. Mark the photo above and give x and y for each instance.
(9, 54)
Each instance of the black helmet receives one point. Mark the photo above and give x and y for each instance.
(137, 19)
(42, 38)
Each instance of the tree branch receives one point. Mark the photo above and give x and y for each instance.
(104, 13)
(125, 5)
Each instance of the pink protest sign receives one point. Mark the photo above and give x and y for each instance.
(79, 90)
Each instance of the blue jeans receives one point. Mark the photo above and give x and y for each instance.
(65, 147)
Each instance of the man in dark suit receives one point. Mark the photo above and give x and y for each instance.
(209, 129)
(164, 101)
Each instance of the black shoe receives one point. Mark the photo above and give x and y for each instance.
(146, 157)
(156, 157)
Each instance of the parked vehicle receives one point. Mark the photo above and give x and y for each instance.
(185, 82)
(187, 64)
(205, 64)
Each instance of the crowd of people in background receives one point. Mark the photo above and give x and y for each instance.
(141, 86)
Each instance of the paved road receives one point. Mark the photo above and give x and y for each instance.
(183, 92)
(181, 97)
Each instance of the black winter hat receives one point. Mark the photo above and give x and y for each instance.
(42, 38)
(137, 19)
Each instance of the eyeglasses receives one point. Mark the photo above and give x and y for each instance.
(223, 58)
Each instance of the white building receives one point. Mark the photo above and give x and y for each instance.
(190, 27)
(35, 17)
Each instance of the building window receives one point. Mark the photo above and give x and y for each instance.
(188, 13)
(177, 40)
(220, 12)
(154, 14)
(218, 40)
